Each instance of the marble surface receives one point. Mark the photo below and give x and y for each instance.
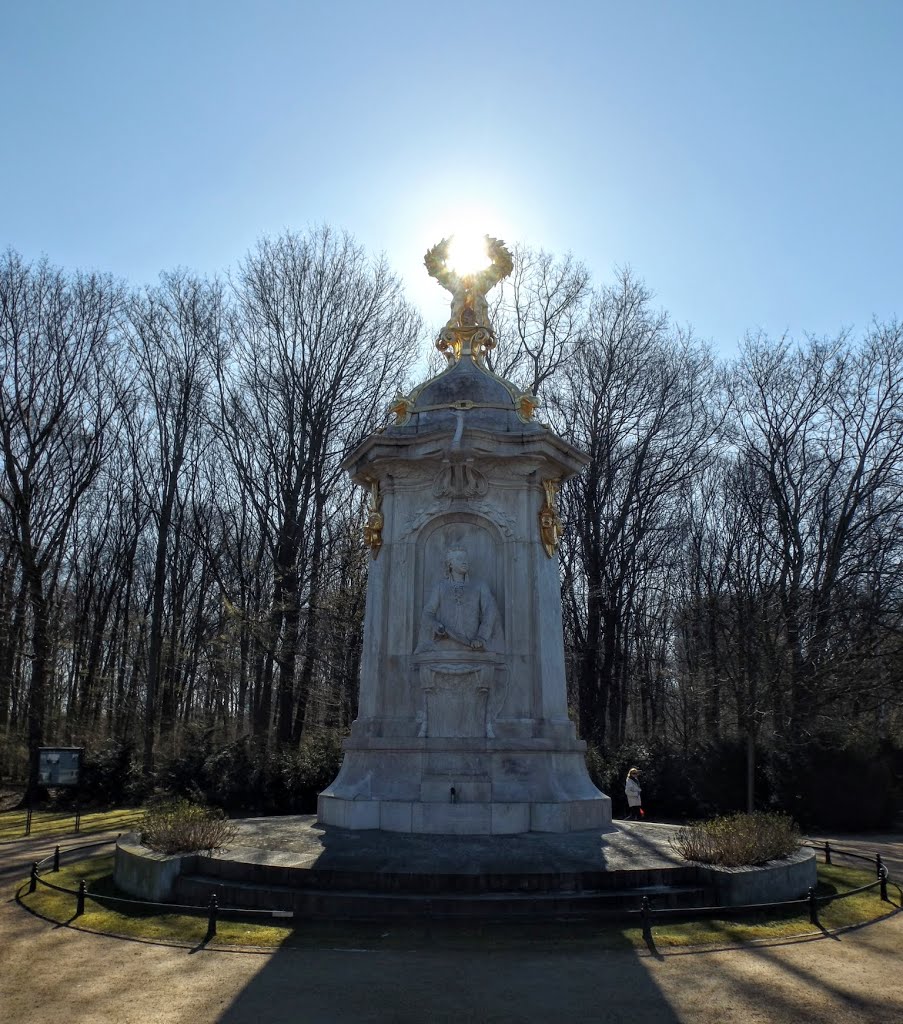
(463, 723)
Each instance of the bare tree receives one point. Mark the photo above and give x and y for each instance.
(638, 400)
(173, 330)
(13, 610)
(731, 649)
(320, 335)
(538, 314)
(60, 393)
(823, 425)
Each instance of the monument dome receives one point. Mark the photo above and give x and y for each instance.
(490, 403)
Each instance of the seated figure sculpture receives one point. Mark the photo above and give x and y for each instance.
(459, 614)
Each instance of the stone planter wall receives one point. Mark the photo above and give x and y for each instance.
(779, 880)
(145, 874)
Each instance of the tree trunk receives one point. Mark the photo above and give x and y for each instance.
(750, 770)
(155, 648)
(41, 674)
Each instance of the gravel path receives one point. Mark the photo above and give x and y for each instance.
(50, 973)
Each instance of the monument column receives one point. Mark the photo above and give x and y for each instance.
(463, 724)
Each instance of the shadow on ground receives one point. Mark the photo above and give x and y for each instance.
(439, 983)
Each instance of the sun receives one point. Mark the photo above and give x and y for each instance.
(467, 253)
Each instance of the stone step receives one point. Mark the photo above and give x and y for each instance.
(263, 873)
(364, 904)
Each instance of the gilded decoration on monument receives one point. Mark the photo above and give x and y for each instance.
(400, 408)
(468, 334)
(527, 404)
(469, 308)
(453, 342)
(550, 525)
(373, 528)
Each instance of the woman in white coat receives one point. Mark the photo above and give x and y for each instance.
(634, 795)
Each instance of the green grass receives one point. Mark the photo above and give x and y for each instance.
(48, 823)
(832, 878)
(267, 933)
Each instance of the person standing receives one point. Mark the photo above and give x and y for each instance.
(634, 795)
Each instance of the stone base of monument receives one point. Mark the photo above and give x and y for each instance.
(460, 787)
(294, 865)
(451, 780)
(487, 818)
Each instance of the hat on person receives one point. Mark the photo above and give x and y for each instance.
(634, 771)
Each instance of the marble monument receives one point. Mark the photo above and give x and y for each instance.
(463, 723)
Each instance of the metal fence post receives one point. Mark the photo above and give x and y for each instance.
(33, 881)
(28, 821)
(646, 917)
(80, 898)
(878, 865)
(213, 909)
(883, 886)
(56, 859)
(827, 852)
(78, 819)
(813, 907)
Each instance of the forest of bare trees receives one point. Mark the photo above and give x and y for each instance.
(181, 563)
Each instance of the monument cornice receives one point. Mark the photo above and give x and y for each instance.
(377, 453)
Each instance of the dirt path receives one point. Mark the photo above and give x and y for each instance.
(890, 846)
(55, 973)
(17, 855)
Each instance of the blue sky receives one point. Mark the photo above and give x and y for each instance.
(743, 158)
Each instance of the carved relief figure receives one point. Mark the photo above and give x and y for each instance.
(460, 613)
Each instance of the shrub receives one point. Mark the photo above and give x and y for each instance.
(836, 784)
(738, 839)
(110, 776)
(179, 826)
(244, 776)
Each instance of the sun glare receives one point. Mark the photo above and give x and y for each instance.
(467, 253)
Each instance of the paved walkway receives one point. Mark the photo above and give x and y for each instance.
(889, 845)
(298, 840)
(52, 973)
(17, 855)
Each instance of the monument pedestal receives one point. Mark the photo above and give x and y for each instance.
(464, 786)
(452, 739)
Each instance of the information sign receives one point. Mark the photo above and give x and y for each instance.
(59, 766)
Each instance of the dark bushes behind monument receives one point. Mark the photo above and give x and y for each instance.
(824, 783)
(242, 777)
(110, 777)
(239, 777)
(857, 786)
